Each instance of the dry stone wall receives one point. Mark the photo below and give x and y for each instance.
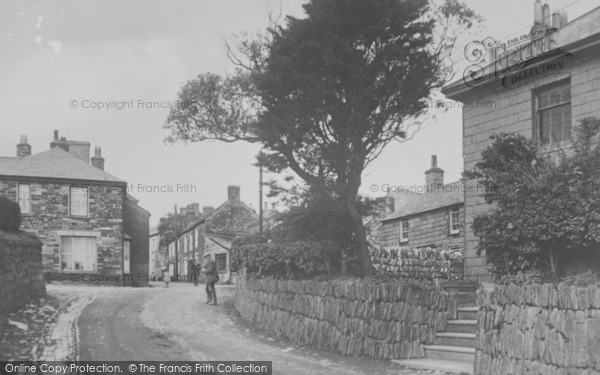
(538, 329)
(21, 272)
(349, 317)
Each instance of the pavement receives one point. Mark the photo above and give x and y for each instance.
(174, 324)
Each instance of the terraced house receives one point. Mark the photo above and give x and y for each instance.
(431, 218)
(213, 234)
(540, 84)
(87, 222)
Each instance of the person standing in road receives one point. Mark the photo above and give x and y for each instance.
(195, 271)
(212, 276)
(166, 277)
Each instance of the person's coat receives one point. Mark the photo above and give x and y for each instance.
(210, 270)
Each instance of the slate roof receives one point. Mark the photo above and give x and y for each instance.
(54, 163)
(415, 203)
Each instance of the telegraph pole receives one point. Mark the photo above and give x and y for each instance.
(176, 268)
(260, 197)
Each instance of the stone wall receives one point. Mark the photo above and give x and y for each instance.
(538, 329)
(349, 317)
(21, 273)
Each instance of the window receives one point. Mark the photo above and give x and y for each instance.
(455, 220)
(24, 198)
(221, 260)
(126, 256)
(404, 227)
(78, 253)
(79, 201)
(553, 113)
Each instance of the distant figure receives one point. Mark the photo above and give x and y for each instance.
(195, 270)
(212, 276)
(166, 277)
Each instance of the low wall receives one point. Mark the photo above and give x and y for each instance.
(535, 329)
(349, 317)
(21, 272)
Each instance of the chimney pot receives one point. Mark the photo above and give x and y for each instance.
(538, 15)
(563, 19)
(23, 148)
(60, 143)
(556, 20)
(546, 14)
(233, 193)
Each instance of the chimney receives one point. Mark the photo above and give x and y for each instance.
(80, 150)
(60, 143)
(563, 19)
(546, 15)
(97, 159)
(23, 148)
(434, 176)
(556, 20)
(233, 193)
(207, 210)
(195, 207)
(538, 15)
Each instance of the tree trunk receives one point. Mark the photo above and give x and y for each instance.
(365, 266)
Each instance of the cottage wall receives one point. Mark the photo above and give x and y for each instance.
(426, 229)
(49, 218)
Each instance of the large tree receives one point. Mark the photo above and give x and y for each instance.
(324, 94)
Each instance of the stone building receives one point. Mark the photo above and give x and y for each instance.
(86, 220)
(538, 85)
(157, 254)
(429, 219)
(213, 234)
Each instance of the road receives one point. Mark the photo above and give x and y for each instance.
(174, 324)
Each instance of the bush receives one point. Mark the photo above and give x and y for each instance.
(547, 204)
(288, 260)
(10, 215)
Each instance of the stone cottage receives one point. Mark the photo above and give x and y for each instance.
(87, 222)
(538, 85)
(213, 234)
(433, 218)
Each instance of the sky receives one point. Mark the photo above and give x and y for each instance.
(60, 60)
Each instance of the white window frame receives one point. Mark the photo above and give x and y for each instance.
(85, 234)
(87, 198)
(404, 232)
(27, 200)
(539, 110)
(453, 223)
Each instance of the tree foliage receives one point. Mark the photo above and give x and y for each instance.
(325, 94)
(171, 224)
(10, 215)
(546, 202)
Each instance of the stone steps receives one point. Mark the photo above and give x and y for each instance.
(466, 340)
(437, 365)
(450, 353)
(468, 313)
(462, 326)
(454, 350)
